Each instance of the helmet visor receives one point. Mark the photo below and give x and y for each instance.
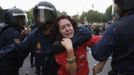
(21, 19)
(45, 14)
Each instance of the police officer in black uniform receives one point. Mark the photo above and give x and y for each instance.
(15, 20)
(118, 41)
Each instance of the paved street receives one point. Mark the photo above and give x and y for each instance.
(92, 62)
(30, 71)
(26, 69)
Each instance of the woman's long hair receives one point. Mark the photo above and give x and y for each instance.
(56, 33)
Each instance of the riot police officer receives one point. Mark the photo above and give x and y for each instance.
(44, 17)
(15, 20)
(118, 41)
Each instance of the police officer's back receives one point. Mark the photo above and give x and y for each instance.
(118, 41)
(15, 20)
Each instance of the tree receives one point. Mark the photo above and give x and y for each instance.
(30, 16)
(92, 16)
(108, 13)
(83, 16)
(58, 13)
(63, 13)
(0, 8)
(76, 18)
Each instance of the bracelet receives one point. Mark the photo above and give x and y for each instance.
(71, 60)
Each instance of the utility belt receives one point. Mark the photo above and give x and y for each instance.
(111, 72)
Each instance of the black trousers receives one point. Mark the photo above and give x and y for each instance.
(32, 59)
(117, 73)
(9, 72)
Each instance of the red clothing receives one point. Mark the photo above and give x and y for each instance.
(81, 58)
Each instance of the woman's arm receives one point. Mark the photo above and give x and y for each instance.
(71, 60)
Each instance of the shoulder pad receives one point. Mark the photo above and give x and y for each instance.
(3, 27)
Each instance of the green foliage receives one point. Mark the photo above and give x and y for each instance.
(30, 16)
(0, 8)
(76, 18)
(92, 16)
(95, 16)
(108, 12)
(61, 13)
(58, 13)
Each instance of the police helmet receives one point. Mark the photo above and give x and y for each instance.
(45, 12)
(16, 17)
(124, 5)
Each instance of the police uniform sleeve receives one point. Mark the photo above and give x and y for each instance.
(82, 35)
(17, 50)
(25, 46)
(103, 49)
(5, 50)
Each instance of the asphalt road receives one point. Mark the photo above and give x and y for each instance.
(93, 62)
(26, 70)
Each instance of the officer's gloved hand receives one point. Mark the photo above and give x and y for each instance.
(25, 32)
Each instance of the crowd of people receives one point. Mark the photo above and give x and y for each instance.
(59, 44)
